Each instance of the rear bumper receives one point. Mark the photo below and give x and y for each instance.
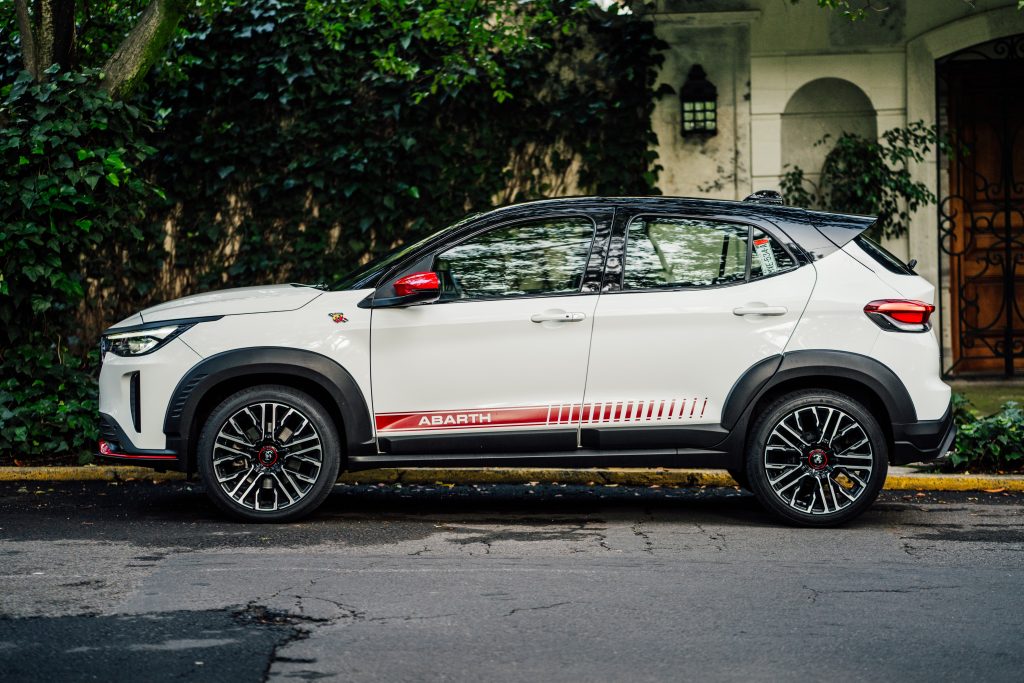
(924, 440)
(115, 446)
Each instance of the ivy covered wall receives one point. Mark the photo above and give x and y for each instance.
(259, 153)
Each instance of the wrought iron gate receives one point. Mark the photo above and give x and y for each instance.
(981, 206)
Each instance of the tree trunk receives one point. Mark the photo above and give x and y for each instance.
(28, 39)
(47, 38)
(146, 43)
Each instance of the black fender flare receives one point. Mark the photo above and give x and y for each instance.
(774, 370)
(269, 360)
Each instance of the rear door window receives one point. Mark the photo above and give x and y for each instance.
(667, 253)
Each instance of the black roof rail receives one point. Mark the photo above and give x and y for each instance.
(765, 197)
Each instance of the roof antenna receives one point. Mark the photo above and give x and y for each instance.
(765, 197)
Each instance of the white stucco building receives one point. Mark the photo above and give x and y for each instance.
(786, 74)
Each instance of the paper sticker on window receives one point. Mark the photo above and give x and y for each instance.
(763, 249)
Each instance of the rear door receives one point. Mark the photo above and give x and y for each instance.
(690, 305)
(499, 363)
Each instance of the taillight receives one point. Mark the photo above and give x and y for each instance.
(904, 315)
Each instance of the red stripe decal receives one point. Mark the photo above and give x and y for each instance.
(138, 456)
(565, 414)
(462, 419)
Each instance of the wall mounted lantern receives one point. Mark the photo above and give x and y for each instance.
(699, 100)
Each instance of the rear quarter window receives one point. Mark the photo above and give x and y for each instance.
(882, 255)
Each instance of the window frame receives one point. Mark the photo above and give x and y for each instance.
(595, 227)
(693, 288)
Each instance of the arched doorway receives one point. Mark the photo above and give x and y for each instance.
(825, 106)
(981, 206)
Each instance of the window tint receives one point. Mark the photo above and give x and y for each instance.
(882, 255)
(539, 257)
(768, 256)
(684, 252)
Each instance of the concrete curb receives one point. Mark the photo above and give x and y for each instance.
(899, 479)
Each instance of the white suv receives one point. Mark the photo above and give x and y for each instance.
(777, 343)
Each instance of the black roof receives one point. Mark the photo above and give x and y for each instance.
(839, 228)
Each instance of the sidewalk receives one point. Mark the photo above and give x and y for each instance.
(899, 479)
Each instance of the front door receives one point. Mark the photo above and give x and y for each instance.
(496, 364)
(690, 318)
(981, 214)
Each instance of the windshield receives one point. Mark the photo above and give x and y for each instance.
(366, 275)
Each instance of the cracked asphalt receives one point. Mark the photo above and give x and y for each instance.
(142, 581)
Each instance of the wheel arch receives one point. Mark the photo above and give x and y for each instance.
(217, 377)
(862, 378)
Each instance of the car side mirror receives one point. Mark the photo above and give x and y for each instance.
(417, 288)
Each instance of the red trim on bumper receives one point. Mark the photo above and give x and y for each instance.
(107, 452)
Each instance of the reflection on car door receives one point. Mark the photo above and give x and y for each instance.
(499, 362)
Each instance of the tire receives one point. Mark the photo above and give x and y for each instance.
(740, 477)
(278, 474)
(816, 474)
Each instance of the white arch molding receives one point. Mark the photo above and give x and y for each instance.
(824, 106)
(776, 79)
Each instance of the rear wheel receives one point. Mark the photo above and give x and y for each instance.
(269, 454)
(817, 458)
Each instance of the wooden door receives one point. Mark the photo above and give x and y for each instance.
(983, 213)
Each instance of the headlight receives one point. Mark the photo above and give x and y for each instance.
(139, 342)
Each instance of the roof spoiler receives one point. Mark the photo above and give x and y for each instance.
(840, 229)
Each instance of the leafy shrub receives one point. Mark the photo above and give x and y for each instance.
(870, 177)
(71, 198)
(290, 160)
(993, 443)
(47, 406)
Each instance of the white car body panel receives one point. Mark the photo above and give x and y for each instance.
(472, 366)
(159, 374)
(671, 357)
(834, 318)
(904, 286)
(310, 328)
(236, 301)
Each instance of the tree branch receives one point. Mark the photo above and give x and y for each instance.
(28, 40)
(143, 45)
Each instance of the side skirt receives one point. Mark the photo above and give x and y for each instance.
(577, 459)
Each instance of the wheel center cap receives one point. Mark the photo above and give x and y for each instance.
(267, 456)
(817, 459)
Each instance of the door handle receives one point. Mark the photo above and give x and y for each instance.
(557, 317)
(760, 309)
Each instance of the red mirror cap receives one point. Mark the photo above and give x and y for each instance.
(417, 283)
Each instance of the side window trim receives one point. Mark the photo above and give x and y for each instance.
(621, 240)
(594, 236)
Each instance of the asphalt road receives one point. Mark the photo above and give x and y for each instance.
(146, 582)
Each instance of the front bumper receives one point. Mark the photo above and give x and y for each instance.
(924, 440)
(115, 446)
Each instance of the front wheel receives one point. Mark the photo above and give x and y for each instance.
(817, 458)
(269, 454)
